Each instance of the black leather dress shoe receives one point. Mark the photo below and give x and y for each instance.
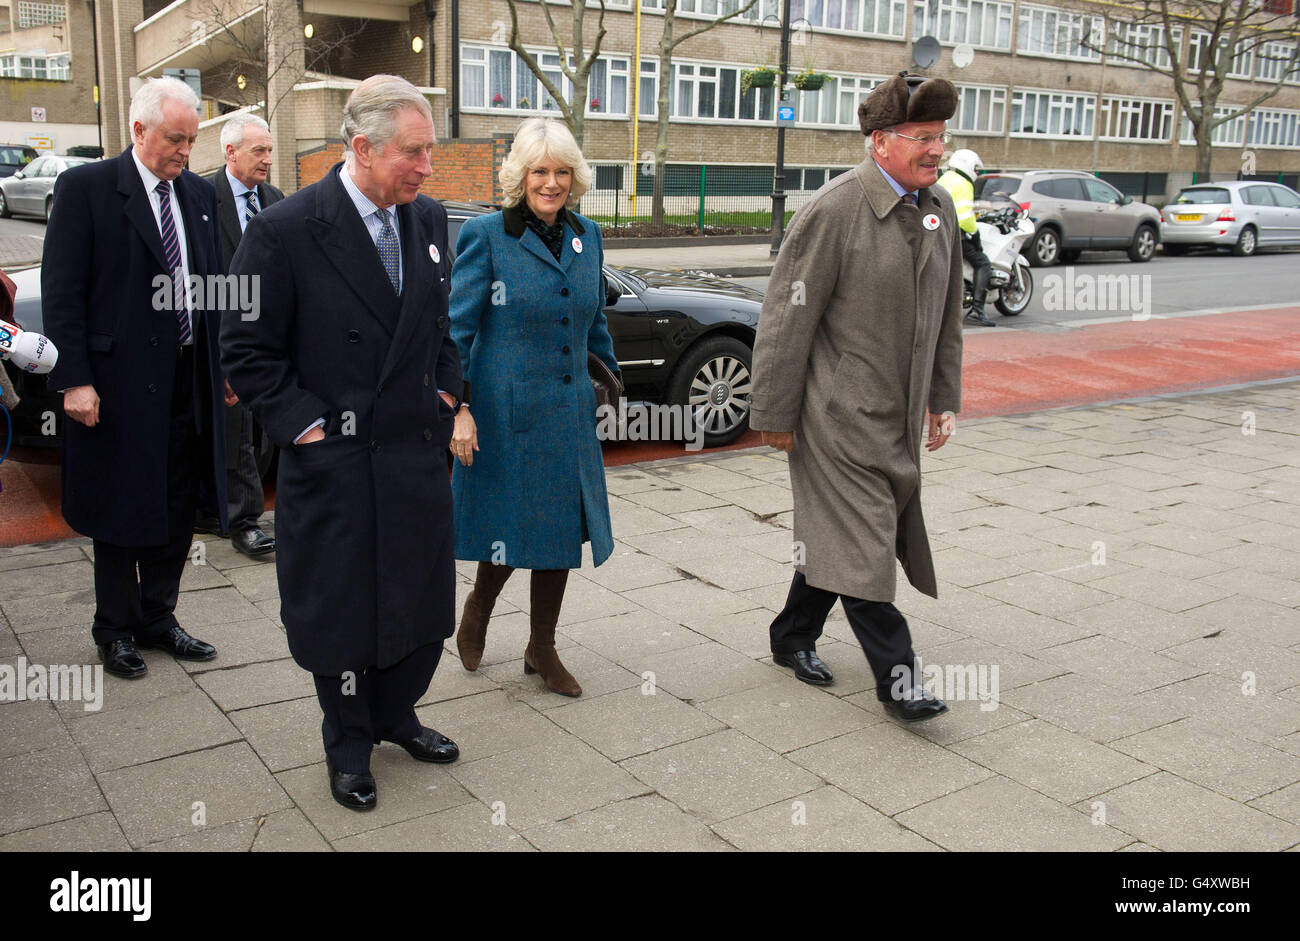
(807, 666)
(353, 791)
(122, 659)
(916, 706)
(180, 645)
(253, 542)
(431, 746)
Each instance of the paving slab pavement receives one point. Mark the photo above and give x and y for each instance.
(1117, 635)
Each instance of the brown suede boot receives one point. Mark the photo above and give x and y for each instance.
(488, 581)
(546, 593)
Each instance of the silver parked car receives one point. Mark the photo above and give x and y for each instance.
(1241, 215)
(1073, 212)
(30, 191)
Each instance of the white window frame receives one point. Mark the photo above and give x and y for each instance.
(953, 22)
(1142, 39)
(846, 89)
(1273, 59)
(1231, 134)
(477, 56)
(1243, 62)
(1274, 129)
(997, 102)
(1057, 104)
(1058, 34)
(1118, 111)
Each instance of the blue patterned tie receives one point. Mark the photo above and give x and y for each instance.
(251, 196)
(172, 249)
(909, 198)
(388, 251)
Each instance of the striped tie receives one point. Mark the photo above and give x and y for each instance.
(251, 211)
(172, 249)
(388, 251)
(909, 198)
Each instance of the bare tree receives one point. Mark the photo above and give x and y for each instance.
(668, 43)
(233, 28)
(1223, 35)
(578, 72)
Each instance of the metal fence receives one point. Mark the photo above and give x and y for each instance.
(702, 198)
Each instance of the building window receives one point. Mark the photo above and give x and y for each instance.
(835, 104)
(1144, 42)
(869, 17)
(979, 22)
(39, 14)
(495, 79)
(711, 9)
(1276, 60)
(1052, 114)
(1045, 31)
(1138, 120)
(711, 91)
(1273, 127)
(1198, 56)
(980, 110)
(56, 67)
(1229, 134)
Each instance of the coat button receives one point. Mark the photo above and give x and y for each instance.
(354, 336)
(564, 292)
(567, 377)
(443, 323)
(151, 387)
(564, 350)
(428, 435)
(379, 391)
(564, 320)
(153, 341)
(426, 379)
(374, 445)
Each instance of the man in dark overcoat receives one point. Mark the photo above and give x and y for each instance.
(142, 390)
(857, 359)
(243, 192)
(352, 371)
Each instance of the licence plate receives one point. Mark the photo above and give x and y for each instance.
(1188, 217)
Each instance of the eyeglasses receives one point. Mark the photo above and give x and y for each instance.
(945, 138)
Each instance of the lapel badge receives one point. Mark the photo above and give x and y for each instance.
(577, 245)
(931, 221)
(433, 253)
(205, 218)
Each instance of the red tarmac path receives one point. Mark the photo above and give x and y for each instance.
(1004, 373)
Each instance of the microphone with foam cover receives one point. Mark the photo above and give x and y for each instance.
(29, 351)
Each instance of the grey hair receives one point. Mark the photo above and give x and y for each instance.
(232, 132)
(147, 102)
(372, 109)
(535, 140)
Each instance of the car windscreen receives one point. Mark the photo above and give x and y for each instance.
(989, 186)
(13, 156)
(1210, 196)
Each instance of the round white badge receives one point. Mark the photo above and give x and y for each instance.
(931, 222)
(433, 253)
(577, 245)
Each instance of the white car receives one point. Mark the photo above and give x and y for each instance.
(1241, 215)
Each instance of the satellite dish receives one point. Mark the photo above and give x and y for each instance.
(925, 52)
(963, 55)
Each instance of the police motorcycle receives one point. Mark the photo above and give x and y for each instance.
(1002, 233)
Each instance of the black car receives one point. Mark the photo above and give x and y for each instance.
(679, 338)
(13, 157)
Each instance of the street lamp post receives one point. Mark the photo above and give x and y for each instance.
(778, 180)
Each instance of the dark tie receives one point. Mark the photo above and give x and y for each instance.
(909, 198)
(172, 249)
(388, 251)
(251, 211)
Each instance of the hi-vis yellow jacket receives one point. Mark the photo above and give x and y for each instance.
(963, 197)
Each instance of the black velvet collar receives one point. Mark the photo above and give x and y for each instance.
(513, 216)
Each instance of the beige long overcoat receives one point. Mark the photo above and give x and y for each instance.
(859, 333)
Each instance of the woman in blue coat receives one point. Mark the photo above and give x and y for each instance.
(527, 303)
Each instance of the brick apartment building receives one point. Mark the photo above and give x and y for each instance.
(1032, 94)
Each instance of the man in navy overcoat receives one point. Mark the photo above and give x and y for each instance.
(351, 370)
(142, 390)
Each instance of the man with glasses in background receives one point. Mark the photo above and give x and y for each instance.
(858, 356)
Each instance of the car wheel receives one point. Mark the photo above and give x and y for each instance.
(1174, 249)
(1013, 297)
(1247, 242)
(4, 206)
(1144, 244)
(49, 201)
(1070, 256)
(1045, 249)
(714, 381)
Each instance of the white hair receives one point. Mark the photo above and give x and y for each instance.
(147, 102)
(535, 140)
(232, 132)
(371, 110)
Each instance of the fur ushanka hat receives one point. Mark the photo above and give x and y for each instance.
(905, 98)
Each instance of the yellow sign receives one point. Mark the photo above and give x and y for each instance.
(41, 143)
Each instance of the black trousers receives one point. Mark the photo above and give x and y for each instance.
(244, 494)
(136, 587)
(373, 706)
(981, 269)
(879, 627)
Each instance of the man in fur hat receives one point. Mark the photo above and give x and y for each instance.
(858, 358)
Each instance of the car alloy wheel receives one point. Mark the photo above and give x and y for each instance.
(715, 382)
(1144, 244)
(1044, 249)
(1247, 241)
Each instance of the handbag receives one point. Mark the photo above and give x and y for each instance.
(607, 387)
